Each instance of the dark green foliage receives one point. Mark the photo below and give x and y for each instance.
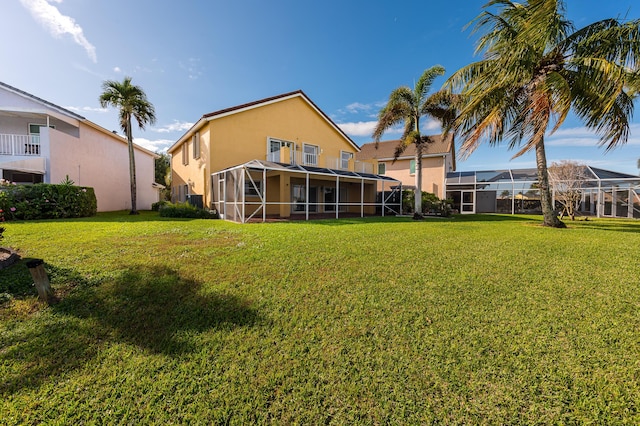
(17, 281)
(67, 181)
(157, 206)
(46, 201)
(186, 210)
(431, 204)
(163, 175)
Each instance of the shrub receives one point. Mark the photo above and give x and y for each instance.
(158, 205)
(431, 204)
(47, 201)
(186, 210)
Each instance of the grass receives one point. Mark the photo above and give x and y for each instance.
(477, 320)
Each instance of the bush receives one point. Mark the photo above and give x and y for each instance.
(46, 201)
(160, 204)
(186, 210)
(431, 204)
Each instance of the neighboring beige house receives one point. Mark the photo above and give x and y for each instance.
(43, 143)
(438, 159)
(274, 158)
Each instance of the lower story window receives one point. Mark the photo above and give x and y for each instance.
(251, 190)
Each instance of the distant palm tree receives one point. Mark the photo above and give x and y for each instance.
(536, 68)
(132, 102)
(407, 106)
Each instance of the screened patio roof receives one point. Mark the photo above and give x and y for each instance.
(512, 176)
(297, 168)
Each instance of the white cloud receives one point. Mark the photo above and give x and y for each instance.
(360, 128)
(86, 109)
(370, 110)
(357, 107)
(365, 128)
(176, 126)
(158, 145)
(432, 125)
(192, 66)
(117, 69)
(581, 136)
(58, 24)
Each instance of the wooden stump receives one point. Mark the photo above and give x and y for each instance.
(41, 280)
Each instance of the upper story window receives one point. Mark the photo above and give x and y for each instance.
(412, 167)
(274, 150)
(195, 141)
(344, 159)
(185, 154)
(34, 129)
(382, 168)
(310, 155)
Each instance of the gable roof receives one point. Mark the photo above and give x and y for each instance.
(42, 101)
(386, 149)
(257, 104)
(74, 116)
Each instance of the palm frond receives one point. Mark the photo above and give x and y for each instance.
(424, 83)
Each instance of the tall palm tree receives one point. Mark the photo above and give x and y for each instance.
(132, 102)
(536, 68)
(407, 106)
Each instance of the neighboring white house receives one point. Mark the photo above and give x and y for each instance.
(43, 143)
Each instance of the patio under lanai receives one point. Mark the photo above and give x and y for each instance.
(263, 190)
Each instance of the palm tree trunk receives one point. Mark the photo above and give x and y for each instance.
(418, 193)
(548, 212)
(132, 169)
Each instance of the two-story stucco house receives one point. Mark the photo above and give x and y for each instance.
(278, 157)
(41, 142)
(438, 159)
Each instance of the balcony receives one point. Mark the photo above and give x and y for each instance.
(351, 165)
(24, 145)
(288, 156)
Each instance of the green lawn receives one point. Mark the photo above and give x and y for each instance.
(475, 320)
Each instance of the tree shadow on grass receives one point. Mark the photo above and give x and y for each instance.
(148, 306)
(607, 225)
(153, 308)
(495, 217)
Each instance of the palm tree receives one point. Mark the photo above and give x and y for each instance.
(536, 68)
(132, 102)
(407, 106)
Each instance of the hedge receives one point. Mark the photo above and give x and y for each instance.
(186, 210)
(46, 201)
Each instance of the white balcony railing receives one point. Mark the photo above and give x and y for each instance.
(310, 159)
(363, 167)
(20, 145)
(313, 159)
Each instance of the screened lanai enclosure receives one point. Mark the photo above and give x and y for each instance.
(603, 193)
(263, 190)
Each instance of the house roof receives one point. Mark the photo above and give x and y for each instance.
(531, 175)
(42, 101)
(386, 149)
(257, 104)
(73, 115)
(298, 168)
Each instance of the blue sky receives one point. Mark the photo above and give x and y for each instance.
(194, 57)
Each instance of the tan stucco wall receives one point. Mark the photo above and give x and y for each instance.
(241, 137)
(433, 173)
(198, 170)
(101, 161)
